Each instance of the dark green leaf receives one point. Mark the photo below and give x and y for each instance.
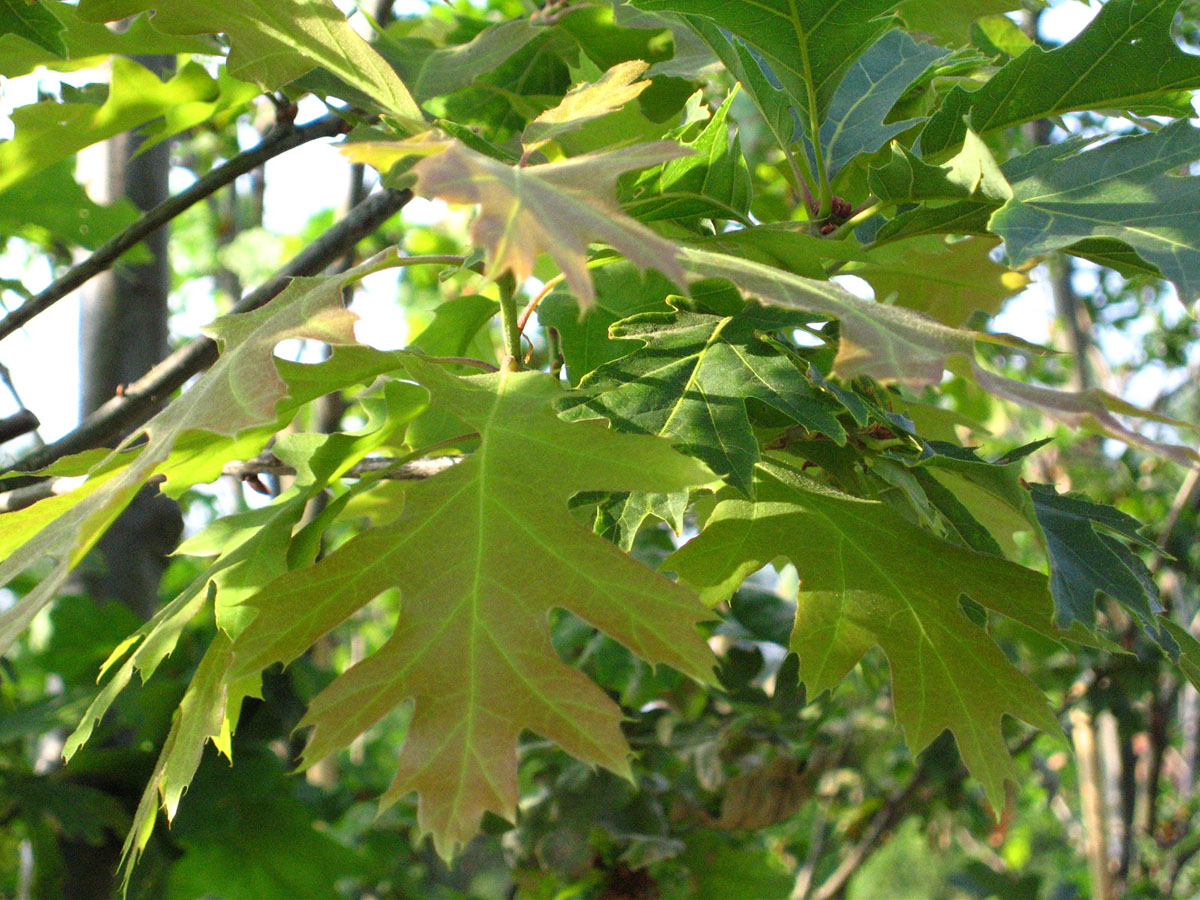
(1125, 59)
(692, 379)
(869, 577)
(712, 183)
(807, 45)
(33, 21)
(1087, 556)
(1126, 190)
(869, 90)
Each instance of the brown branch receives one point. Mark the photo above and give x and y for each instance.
(385, 11)
(21, 497)
(264, 464)
(279, 140)
(142, 396)
(18, 424)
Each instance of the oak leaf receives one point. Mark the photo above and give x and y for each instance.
(869, 577)
(557, 207)
(482, 553)
(277, 41)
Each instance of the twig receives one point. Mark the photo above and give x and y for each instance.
(140, 398)
(532, 305)
(892, 811)
(11, 501)
(1186, 498)
(508, 319)
(279, 140)
(856, 218)
(414, 470)
(384, 12)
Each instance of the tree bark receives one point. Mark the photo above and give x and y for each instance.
(123, 334)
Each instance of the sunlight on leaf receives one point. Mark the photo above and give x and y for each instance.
(558, 207)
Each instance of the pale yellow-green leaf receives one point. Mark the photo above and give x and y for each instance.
(47, 132)
(237, 394)
(586, 102)
(558, 207)
(277, 41)
(947, 281)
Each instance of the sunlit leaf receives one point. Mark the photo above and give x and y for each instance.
(945, 281)
(586, 102)
(87, 43)
(807, 45)
(239, 392)
(471, 649)
(950, 23)
(277, 41)
(557, 207)
(48, 132)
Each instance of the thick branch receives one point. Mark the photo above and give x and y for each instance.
(140, 398)
(278, 141)
(16, 425)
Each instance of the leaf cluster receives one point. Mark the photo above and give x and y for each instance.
(671, 190)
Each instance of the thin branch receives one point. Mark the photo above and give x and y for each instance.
(19, 498)
(413, 470)
(894, 808)
(142, 396)
(532, 305)
(1186, 498)
(281, 139)
(384, 12)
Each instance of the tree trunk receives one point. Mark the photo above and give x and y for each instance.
(123, 334)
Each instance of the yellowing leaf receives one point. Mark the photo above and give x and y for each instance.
(558, 207)
(586, 102)
(945, 281)
(869, 577)
(276, 41)
(482, 553)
